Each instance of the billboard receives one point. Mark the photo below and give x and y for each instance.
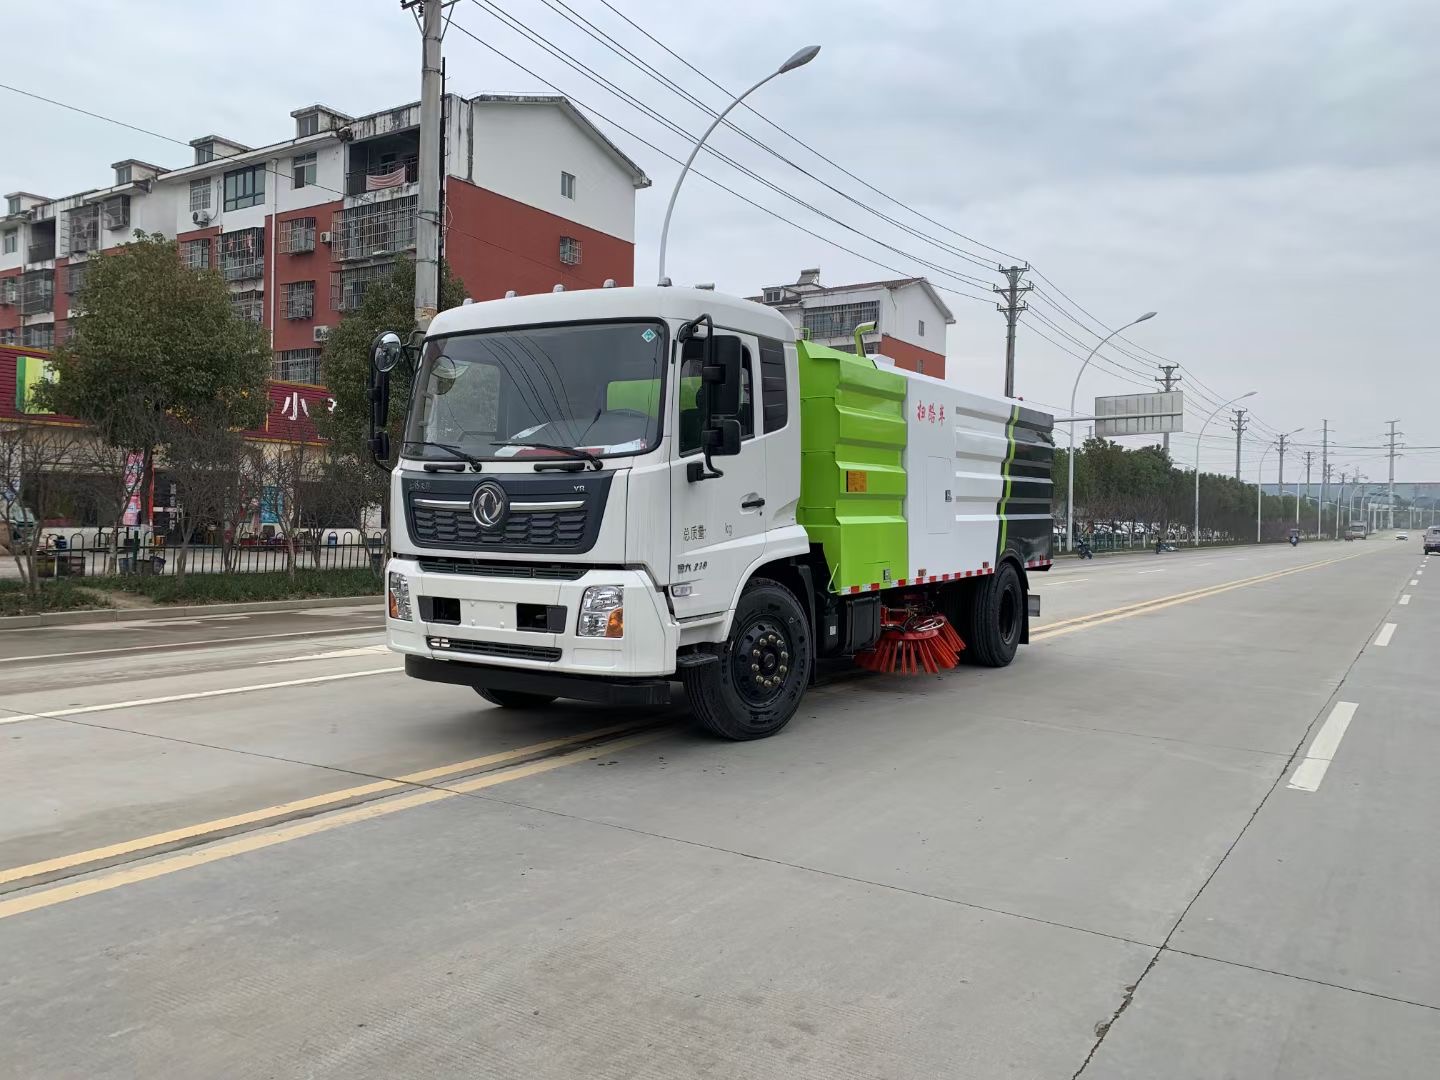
(1140, 414)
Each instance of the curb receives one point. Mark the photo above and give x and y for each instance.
(105, 615)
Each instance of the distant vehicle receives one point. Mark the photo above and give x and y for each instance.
(1402, 536)
(1432, 540)
(1356, 531)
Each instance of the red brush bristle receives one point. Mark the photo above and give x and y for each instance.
(907, 649)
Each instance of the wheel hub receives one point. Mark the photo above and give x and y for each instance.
(761, 660)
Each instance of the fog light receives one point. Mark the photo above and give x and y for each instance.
(399, 596)
(602, 612)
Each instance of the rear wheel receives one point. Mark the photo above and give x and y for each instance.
(514, 699)
(997, 618)
(756, 686)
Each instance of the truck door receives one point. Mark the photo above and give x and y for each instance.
(717, 525)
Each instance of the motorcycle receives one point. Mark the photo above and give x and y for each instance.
(1294, 541)
(1162, 546)
(1082, 549)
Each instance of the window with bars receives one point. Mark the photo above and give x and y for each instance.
(297, 365)
(37, 292)
(569, 251)
(200, 194)
(9, 336)
(75, 278)
(196, 253)
(242, 254)
(249, 304)
(297, 236)
(347, 287)
(245, 187)
(38, 336)
(375, 229)
(84, 222)
(300, 300)
(9, 290)
(840, 320)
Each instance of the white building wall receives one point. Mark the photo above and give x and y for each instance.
(908, 307)
(520, 151)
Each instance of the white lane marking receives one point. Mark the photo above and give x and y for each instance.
(80, 710)
(1414, 581)
(328, 631)
(1311, 771)
(1386, 633)
(1149, 571)
(1404, 599)
(364, 650)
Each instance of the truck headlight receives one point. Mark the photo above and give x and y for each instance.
(399, 596)
(602, 612)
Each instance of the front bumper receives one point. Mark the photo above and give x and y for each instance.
(488, 633)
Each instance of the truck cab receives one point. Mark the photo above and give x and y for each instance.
(598, 493)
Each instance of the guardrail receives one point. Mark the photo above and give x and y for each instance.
(99, 552)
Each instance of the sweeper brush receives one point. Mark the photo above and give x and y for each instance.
(911, 643)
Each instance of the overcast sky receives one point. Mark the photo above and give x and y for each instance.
(1263, 173)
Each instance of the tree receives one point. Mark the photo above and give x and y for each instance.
(157, 349)
(387, 305)
(31, 454)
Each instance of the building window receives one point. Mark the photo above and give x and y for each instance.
(922, 327)
(204, 152)
(569, 251)
(920, 366)
(7, 336)
(249, 304)
(374, 230)
(9, 290)
(307, 124)
(200, 194)
(774, 296)
(297, 365)
(84, 228)
(75, 277)
(122, 175)
(840, 320)
(348, 287)
(12, 205)
(12, 241)
(197, 254)
(304, 169)
(242, 254)
(117, 211)
(40, 336)
(297, 235)
(245, 187)
(567, 185)
(37, 292)
(300, 300)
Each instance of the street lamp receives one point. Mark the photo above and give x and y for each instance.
(799, 59)
(1259, 491)
(1070, 492)
(1198, 439)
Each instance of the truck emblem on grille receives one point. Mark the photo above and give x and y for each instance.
(490, 505)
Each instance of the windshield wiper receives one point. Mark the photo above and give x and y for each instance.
(572, 451)
(474, 462)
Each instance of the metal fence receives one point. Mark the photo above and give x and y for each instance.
(96, 552)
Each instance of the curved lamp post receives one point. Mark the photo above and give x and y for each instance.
(1218, 409)
(800, 59)
(1070, 457)
(1259, 491)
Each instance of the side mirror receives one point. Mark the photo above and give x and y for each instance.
(386, 350)
(377, 393)
(721, 375)
(722, 438)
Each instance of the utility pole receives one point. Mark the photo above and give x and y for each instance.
(1280, 479)
(1168, 379)
(1012, 310)
(1309, 456)
(1324, 474)
(1339, 498)
(1391, 498)
(1238, 425)
(430, 16)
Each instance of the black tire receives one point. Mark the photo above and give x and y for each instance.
(514, 699)
(997, 618)
(763, 670)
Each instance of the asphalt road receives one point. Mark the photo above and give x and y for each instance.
(1189, 833)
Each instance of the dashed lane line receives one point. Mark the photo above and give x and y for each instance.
(1312, 769)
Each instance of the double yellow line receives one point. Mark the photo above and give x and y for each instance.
(433, 786)
(1099, 618)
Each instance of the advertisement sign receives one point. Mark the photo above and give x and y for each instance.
(134, 477)
(1140, 414)
(30, 373)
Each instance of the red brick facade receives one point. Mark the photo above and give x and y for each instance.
(912, 357)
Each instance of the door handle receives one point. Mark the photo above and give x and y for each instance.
(753, 503)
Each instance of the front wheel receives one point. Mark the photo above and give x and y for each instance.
(514, 699)
(996, 618)
(756, 686)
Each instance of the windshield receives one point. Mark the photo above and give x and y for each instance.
(497, 394)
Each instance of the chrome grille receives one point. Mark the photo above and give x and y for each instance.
(458, 528)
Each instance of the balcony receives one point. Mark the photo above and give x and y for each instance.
(374, 230)
(348, 287)
(383, 175)
(242, 254)
(37, 292)
(41, 251)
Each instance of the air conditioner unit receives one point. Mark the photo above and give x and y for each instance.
(322, 334)
(326, 238)
(201, 217)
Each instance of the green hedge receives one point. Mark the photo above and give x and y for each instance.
(60, 594)
(245, 588)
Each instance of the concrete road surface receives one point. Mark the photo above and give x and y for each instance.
(1189, 833)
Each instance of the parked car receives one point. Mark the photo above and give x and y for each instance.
(1432, 540)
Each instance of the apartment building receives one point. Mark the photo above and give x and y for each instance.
(534, 196)
(909, 316)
